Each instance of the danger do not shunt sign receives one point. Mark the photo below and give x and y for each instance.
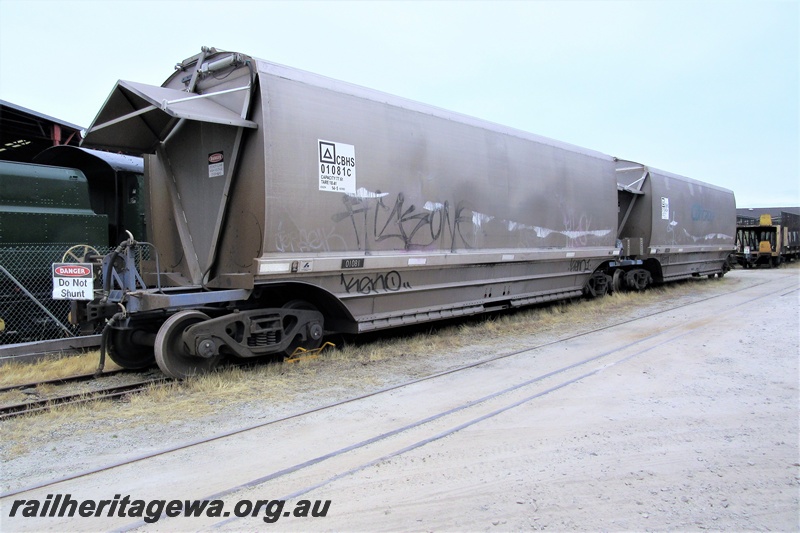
(73, 281)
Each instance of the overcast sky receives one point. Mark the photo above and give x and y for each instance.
(704, 89)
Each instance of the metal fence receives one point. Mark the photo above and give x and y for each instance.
(27, 309)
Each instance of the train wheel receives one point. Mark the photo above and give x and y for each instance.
(127, 354)
(171, 353)
(616, 280)
(313, 336)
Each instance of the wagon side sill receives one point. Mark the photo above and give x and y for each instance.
(151, 301)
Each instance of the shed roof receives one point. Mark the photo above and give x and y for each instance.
(24, 132)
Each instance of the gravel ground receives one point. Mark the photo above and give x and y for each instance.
(701, 433)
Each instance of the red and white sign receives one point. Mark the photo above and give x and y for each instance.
(73, 271)
(73, 281)
(216, 164)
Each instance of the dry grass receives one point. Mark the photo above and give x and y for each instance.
(167, 403)
(54, 368)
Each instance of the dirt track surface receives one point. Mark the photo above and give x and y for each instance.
(689, 422)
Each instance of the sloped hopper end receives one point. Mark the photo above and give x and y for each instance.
(137, 117)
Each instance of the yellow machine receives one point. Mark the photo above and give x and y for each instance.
(759, 245)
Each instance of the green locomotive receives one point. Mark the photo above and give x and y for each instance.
(75, 205)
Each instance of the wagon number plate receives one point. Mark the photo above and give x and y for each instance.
(353, 263)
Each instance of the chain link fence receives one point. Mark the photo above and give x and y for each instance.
(27, 310)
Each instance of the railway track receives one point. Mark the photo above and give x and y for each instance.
(77, 378)
(39, 405)
(45, 404)
(115, 391)
(328, 461)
